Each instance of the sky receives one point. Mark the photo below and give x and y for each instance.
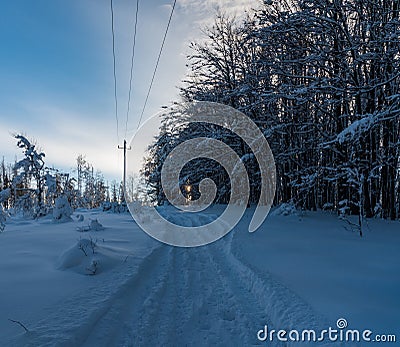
(56, 72)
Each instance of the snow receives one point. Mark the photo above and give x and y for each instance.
(356, 128)
(3, 219)
(34, 286)
(115, 286)
(336, 271)
(4, 195)
(91, 257)
(62, 210)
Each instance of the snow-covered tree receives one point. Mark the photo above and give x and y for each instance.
(91, 188)
(322, 81)
(28, 183)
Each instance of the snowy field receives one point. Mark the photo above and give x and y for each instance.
(115, 286)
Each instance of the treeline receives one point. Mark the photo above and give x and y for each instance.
(321, 79)
(32, 188)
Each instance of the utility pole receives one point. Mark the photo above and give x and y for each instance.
(124, 182)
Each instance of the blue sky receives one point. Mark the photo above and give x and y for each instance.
(56, 82)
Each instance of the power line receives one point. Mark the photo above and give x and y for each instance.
(125, 148)
(115, 73)
(132, 61)
(157, 63)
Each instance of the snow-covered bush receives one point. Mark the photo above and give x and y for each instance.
(25, 206)
(285, 209)
(106, 206)
(84, 258)
(93, 267)
(328, 206)
(4, 196)
(115, 207)
(62, 210)
(93, 226)
(87, 246)
(3, 218)
(80, 217)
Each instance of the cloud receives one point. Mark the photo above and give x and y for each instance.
(70, 114)
(203, 12)
(193, 16)
(62, 134)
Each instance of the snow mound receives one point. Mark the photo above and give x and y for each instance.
(62, 210)
(285, 209)
(93, 226)
(87, 257)
(80, 217)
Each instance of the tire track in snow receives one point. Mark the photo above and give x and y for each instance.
(163, 321)
(95, 316)
(135, 301)
(205, 296)
(156, 319)
(200, 304)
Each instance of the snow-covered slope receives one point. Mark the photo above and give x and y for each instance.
(115, 286)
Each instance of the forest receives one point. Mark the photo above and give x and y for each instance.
(32, 189)
(321, 80)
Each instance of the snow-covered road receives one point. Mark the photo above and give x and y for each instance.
(181, 297)
(216, 295)
(175, 297)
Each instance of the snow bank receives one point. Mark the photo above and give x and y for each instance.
(338, 273)
(90, 257)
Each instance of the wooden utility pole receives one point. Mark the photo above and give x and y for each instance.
(124, 179)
